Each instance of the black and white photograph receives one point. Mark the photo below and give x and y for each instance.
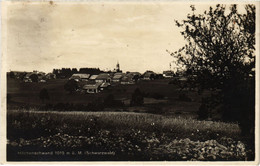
(148, 81)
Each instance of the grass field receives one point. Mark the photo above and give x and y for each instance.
(128, 136)
(164, 128)
(27, 94)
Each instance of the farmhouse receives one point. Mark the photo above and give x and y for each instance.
(93, 77)
(149, 75)
(79, 77)
(103, 77)
(92, 88)
(35, 77)
(104, 85)
(117, 77)
(168, 74)
(50, 76)
(127, 80)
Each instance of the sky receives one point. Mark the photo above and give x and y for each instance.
(46, 35)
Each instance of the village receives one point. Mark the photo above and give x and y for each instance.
(94, 80)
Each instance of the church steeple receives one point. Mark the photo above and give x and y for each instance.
(117, 67)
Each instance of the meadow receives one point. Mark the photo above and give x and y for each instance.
(128, 136)
(165, 127)
(158, 95)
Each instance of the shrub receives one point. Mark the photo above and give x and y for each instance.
(137, 98)
(34, 77)
(71, 86)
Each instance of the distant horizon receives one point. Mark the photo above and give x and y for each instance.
(50, 71)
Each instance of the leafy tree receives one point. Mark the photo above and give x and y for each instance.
(136, 78)
(71, 86)
(34, 77)
(220, 50)
(44, 95)
(137, 98)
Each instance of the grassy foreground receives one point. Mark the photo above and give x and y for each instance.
(120, 136)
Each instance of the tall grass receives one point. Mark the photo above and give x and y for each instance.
(71, 122)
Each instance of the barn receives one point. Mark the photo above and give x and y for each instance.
(92, 88)
(103, 77)
(80, 77)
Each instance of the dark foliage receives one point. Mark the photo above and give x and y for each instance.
(67, 72)
(137, 98)
(34, 77)
(71, 86)
(136, 78)
(220, 51)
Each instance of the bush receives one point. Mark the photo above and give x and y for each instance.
(137, 98)
(34, 77)
(71, 86)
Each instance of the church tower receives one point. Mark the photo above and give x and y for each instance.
(117, 67)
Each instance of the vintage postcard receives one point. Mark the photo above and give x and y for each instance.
(119, 81)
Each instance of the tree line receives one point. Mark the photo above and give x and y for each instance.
(68, 72)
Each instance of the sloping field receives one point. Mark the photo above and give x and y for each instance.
(120, 136)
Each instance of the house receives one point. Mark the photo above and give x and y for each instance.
(93, 77)
(130, 78)
(168, 74)
(50, 76)
(103, 77)
(149, 75)
(27, 77)
(117, 77)
(104, 85)
(92, 88)
(127, 80)
(80, 77)
(17, 74)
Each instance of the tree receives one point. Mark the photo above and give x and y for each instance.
(220, 51)
(71, 86)
(34, 77)
(44, 95)
(136, 78)
(137, 98)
